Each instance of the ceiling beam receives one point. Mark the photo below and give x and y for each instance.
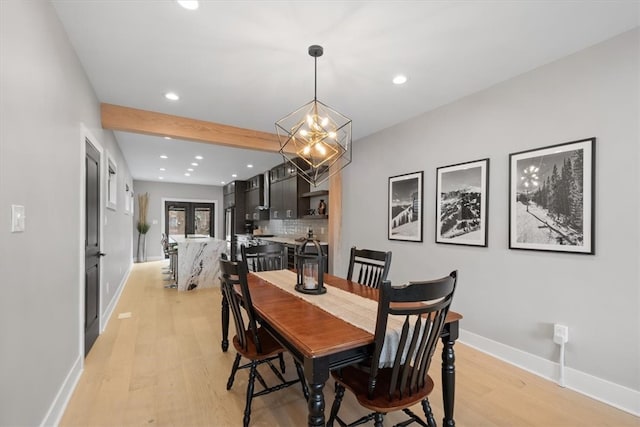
(126, 119)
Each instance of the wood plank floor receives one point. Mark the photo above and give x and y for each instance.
(164, 366)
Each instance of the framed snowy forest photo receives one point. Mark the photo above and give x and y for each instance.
(462, 193)
(551, 198)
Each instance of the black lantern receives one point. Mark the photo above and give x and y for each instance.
(310, 268)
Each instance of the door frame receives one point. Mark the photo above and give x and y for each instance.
(216, 207)
(87, 136)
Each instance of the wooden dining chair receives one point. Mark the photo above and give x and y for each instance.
(252, 342)
(370, 267)
(382, 385)
(264, 257)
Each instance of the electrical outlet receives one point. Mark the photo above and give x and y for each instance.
(17, 219)
(560, 334)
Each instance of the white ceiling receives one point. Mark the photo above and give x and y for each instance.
(245, 63)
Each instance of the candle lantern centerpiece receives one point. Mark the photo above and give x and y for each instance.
(310, 263)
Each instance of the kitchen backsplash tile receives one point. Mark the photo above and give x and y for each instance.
(295, 227)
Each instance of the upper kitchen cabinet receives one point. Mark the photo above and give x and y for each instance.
(254, 199)
(233, 195)
(287, 188)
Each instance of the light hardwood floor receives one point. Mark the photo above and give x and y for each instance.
(164, 366)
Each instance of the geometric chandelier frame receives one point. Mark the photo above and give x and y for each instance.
(315, 138)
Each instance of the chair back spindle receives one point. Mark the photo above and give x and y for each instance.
(264, 257)
(424, 307)
(369, 267)
(235, 274)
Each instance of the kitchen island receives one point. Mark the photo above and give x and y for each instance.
(198, 262)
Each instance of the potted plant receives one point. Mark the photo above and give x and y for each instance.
(142, 226)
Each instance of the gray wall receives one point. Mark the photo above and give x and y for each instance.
(44, 97)
(509, 296)
(161, 190)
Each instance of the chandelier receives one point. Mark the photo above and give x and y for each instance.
(315, 138)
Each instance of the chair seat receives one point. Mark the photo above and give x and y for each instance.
(357, 380)
(270, 346)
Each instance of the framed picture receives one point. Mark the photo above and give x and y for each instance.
(462, 193)
(551, 198)
(405, 207)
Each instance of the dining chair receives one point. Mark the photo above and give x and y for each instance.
(252, 342)
(264, 257)
(371, 267)
(409, 322)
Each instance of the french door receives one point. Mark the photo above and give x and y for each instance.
(189, 218)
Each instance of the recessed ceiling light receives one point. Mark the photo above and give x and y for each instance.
(222, 182)
(171, 96)
(167, 137)
(164, 156)
(194, 164)
(234, 175)
(199, 157)
(160, 177)
(189, 4)
(187, 174)
(190, 170)
(399, 79)
(249, 166)
(162, 169)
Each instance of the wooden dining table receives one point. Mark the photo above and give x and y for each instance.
(322, 342)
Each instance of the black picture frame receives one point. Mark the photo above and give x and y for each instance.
(552, 198)
(405, 207)
(462, 203)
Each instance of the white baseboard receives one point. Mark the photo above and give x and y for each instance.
(56, 410)
(108, 311)
(605, 391)
(153, 258)
(59, 404)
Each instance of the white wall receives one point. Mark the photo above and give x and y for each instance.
(514, 297)
(159, 191)
(44, 98)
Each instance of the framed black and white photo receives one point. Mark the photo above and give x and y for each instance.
(462, 193)
(405, 207)
(551, 198)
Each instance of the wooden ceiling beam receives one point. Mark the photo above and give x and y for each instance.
(126, 119)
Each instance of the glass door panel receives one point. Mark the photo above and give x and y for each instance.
(202, 221)
(189, 219)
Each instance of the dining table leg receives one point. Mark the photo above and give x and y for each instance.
(449, 372)
(225, 323)
(317, 373)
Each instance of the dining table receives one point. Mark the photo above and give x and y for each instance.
(321, 341)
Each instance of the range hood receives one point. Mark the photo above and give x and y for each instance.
(266, 186)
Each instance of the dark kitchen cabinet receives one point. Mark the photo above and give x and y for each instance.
(233, 196)
(254, 199)
(286, 188)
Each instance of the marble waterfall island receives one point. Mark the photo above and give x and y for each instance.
(198, 265)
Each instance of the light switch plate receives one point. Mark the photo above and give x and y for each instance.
(17, 219)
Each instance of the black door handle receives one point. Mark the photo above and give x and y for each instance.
(101, 254)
